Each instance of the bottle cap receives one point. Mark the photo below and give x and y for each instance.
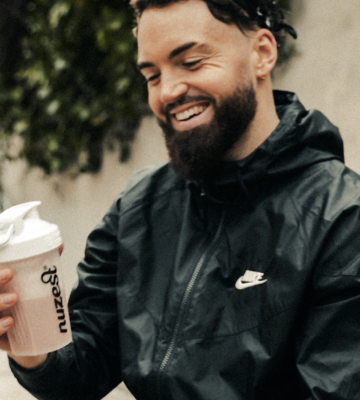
(23, 234)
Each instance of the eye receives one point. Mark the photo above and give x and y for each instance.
(151, 78)
(191, 64)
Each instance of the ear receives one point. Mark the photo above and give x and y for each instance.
(265, 47)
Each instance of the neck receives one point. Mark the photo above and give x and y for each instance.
(262, 126)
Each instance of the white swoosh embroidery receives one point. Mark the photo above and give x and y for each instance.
(249, 279)
(239, 285)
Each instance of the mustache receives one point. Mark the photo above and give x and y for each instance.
(184, 100)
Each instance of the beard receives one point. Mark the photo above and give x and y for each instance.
(196, 153)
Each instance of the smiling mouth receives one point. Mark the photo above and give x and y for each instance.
(190, 113)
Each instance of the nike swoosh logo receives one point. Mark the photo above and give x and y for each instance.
(240, 285)
(249, 279)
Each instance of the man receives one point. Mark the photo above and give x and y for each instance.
(233, 272)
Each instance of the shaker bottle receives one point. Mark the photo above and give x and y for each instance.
(30, 247)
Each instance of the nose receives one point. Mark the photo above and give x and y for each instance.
(171, 89)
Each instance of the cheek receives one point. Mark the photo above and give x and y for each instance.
(216, 82)
(154, 102)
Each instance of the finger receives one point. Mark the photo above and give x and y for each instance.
(6, 275)
(8, 300)
(5, 324)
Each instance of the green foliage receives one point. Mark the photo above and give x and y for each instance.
(76, 83)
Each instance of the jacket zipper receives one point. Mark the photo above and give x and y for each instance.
(184, 304)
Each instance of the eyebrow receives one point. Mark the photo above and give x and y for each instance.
(172, 55)
(181, 49)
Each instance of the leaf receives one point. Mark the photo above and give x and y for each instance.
(58, 10)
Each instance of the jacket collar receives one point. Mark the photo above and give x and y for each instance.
(301, 139)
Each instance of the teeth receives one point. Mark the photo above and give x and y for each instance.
(189, 113)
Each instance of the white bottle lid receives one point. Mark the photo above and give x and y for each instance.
(23, 234)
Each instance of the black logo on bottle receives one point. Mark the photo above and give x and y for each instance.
(50, 276)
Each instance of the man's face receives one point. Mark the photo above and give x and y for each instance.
(197, 68)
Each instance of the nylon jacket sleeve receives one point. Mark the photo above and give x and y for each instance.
(329, 342)
(89, 367)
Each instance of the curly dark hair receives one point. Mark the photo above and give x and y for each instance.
(246, 14)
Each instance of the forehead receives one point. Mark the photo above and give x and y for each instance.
(166, 28)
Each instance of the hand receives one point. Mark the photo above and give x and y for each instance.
(7, 300)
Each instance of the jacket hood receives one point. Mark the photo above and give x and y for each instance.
(302, 138)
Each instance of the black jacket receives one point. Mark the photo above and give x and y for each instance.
(156, 303)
